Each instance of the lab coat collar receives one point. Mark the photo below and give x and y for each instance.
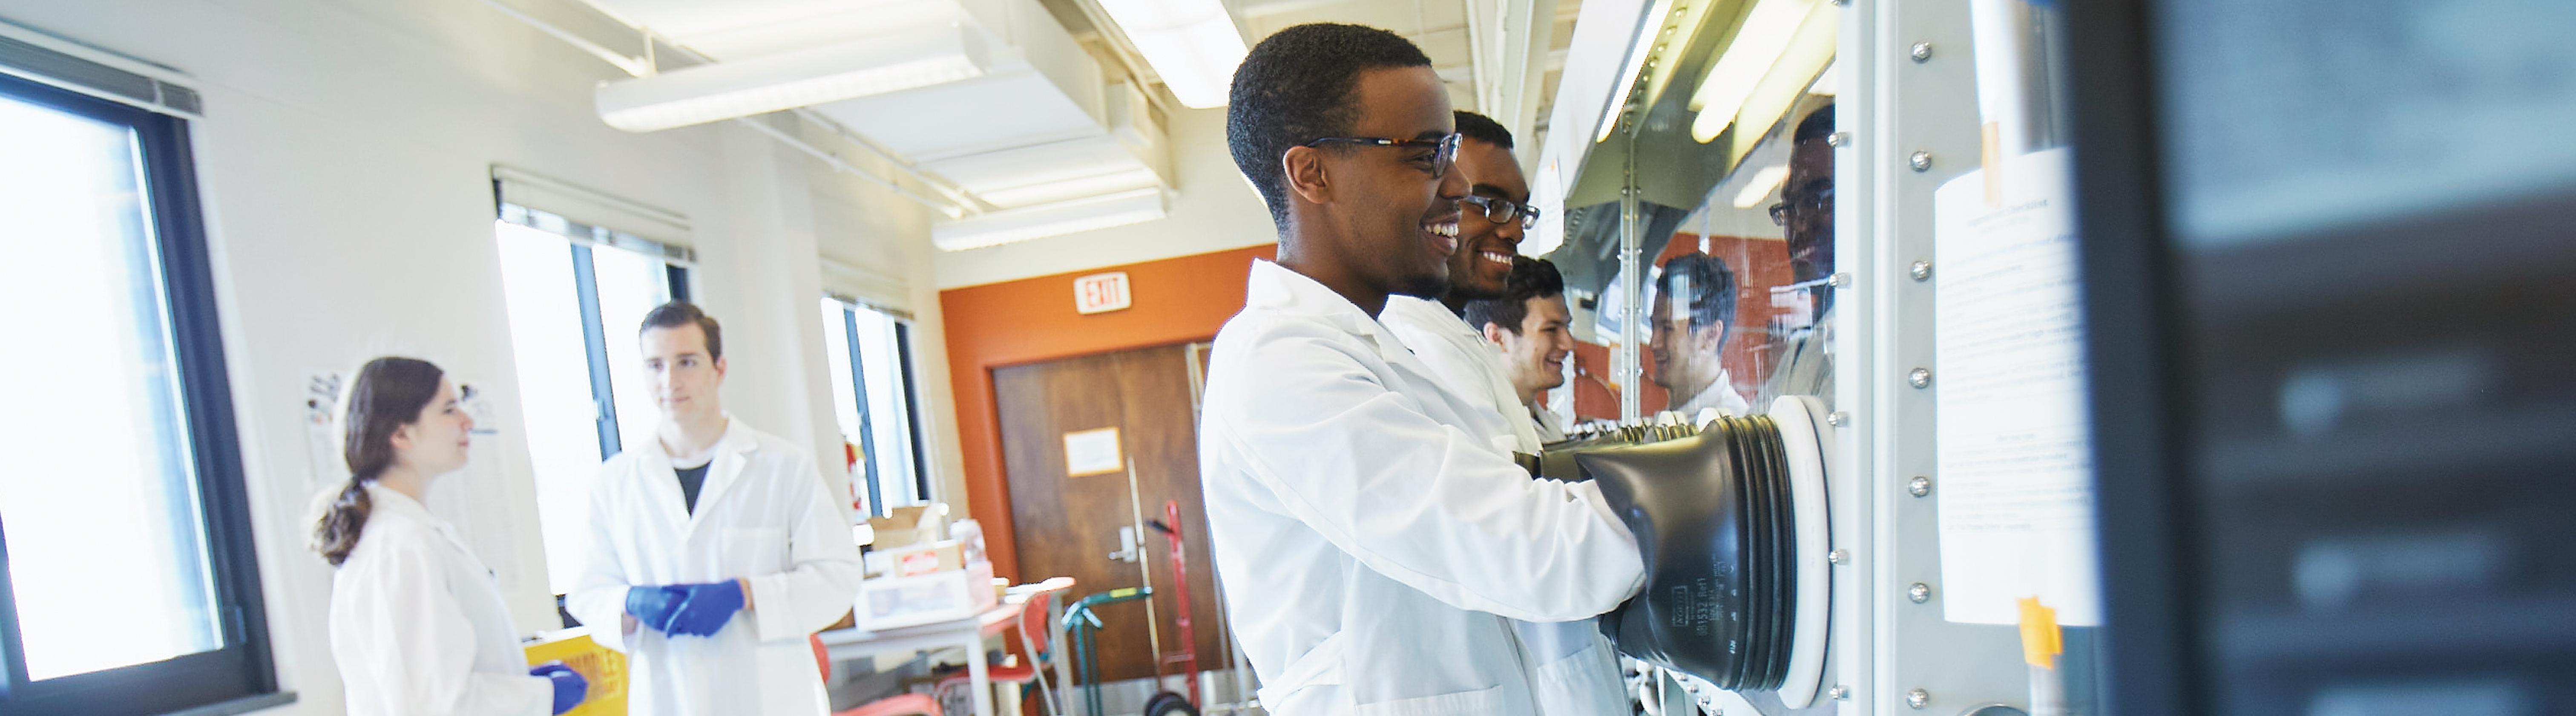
(723, 470)
(1431, 314)
(1277, 288)
(382, 500)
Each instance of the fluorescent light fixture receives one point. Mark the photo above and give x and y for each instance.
(1648, 34)
(799, 78)
(1057, 219)
(1779, 59)
(1789, 78)
(1757, 44)
(1760, 187)
(1192, 45)
(1066, 189)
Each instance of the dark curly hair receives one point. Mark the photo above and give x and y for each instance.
(1294, 88)
(1711, 293)
(1530, 278)
(1483, 129)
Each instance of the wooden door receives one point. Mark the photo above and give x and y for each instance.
(1069, 525)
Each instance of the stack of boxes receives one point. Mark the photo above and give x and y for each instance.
(922, 572)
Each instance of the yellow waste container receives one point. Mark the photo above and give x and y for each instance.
(604, 667)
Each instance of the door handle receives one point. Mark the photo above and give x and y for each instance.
(1127, 548)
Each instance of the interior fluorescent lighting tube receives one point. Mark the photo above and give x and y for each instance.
(1766, 33)
(1761, 185)
(1647, 35)
(1057, 219)
(799, 78)
(1192, 45)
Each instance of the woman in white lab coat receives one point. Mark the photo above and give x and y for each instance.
(417, 623)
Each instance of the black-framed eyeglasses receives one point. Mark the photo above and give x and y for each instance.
(1444, 151)
(1821, 201)
(1502, 211)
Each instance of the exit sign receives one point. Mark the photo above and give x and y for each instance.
(1101, 293)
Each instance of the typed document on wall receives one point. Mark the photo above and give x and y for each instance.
(2015, 453)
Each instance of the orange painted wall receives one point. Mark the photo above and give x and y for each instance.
(1176, 300)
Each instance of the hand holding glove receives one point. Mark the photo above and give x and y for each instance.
(570, 688)
(653, 606)
(705, 608)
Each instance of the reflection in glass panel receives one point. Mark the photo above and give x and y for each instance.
(106, 385)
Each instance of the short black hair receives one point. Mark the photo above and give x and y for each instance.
(1712, 288)
(1483, 129)
(1295, 87)
(682, 313)
(1530, 278)
(1819, 124)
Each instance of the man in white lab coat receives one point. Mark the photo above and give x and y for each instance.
(1694, 315)
(715, 550)
(1377, 548)
(1491, 219)
(1534, 329)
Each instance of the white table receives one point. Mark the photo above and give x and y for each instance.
(969, 634)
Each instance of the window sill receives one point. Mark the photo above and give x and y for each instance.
(241, 705)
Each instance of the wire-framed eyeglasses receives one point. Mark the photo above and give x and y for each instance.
(1444, 151)
(1502, 211)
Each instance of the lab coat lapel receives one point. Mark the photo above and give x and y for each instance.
(662, 486)
(726, 469)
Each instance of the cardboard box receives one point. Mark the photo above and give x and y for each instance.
(923, 559)
(909, 526)
(604, 668)
(947, 595)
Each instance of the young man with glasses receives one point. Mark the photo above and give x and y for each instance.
(1802, 359)
(1578, 670)
(1492, 218)
(1381, 551)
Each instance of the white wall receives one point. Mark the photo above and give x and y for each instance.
(1216, 210)
(345, 159)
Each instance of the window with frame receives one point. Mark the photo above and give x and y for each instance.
(576, 294)
(127, 391)
(869, 354)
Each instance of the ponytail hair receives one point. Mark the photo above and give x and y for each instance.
(388, 394)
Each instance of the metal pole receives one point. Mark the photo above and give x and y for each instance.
(1630, 368)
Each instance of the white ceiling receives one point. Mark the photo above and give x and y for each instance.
(1044, 115)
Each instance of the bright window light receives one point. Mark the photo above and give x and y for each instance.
(1192, 45)
(106, 548)
(1761, 186)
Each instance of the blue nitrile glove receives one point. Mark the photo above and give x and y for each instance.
(570, 688)
(707, 608)
(654, 605)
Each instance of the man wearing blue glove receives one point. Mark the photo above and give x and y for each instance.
(714, 550)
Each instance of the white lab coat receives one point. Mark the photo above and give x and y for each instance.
(1719, 395)
(1377, 547)
(763, 515)
(1470, 369)
(418, 625)
(1551, 424)
(1461, 361)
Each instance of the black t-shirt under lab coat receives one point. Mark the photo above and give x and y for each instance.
(692, 478)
